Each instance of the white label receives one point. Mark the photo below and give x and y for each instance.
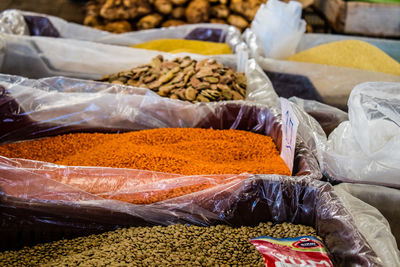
(242, 58)
(289, 133)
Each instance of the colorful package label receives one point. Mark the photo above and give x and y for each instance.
(306, 251)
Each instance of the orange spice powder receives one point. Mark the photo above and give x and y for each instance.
(187, 151)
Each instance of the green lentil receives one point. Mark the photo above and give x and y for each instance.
(174, 245)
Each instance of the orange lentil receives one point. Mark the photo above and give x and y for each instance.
(187, 151)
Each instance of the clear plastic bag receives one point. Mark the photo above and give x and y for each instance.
(40, 201)
(384, 199)
(372, 224)
(279, 28)
(328, 84)
(366, 149)
(47, 209)
(327, 116)
(38, 57)
(35, 24)
(332, 84)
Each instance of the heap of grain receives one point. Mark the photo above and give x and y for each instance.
(175, 245)
(128, 15)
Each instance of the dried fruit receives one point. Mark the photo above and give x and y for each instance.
(197, 11)
(149, 21)
(238, 21)
(220, 11)
(185, 79)
(163, 6)
(178, 13)
(102, 14)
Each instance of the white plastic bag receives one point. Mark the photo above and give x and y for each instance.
(385, 199)
(279, 27)
(12, 22)
(366, 148)
(372, 225)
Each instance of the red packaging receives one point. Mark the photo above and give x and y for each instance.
(305, 251)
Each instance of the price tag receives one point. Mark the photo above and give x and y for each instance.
(289, 133)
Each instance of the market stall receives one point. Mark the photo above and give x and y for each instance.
(197, 133)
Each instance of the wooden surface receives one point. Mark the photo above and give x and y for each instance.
(69, 10)
(372, 19)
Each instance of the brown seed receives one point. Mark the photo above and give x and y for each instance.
(190, 94)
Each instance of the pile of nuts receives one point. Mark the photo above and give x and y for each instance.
(174, 245)
(185, 79)
(128, 15)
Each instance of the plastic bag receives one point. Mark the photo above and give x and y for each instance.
(12, 22)
(279, 28)
(373, 226)
(37, 57)
(36, 24)
(327, 116)
(384, 199)
(309, 40)
(366, 149)
(245, 202)
(332, 84)
(41, 202)
(328, 84)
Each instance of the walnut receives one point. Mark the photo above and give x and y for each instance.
(178, 13)
(220, 11)
(92, 21)
(124, 9)
(149, 22)
(220, 21)
(197, 11)
(246, 8)
(179, 2)
(173, 22)
(163, 6)
(238, 21)
(118, 26)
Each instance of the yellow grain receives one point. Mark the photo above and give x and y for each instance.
(188, 46)
(351, 54)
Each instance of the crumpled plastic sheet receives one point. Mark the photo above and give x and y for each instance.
(42, 201)
(371, 223)
(384, 199)
(36, 24)
(242, 202)
(366, 148)
(104, 105)
(12, 22)
(327, 116)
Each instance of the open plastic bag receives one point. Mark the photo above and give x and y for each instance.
(36, 108)
(279, 28)
(328, 84)
(36, 24)
(40, 201)
(333, 84)
(366, 149)
(309, 40)
(327, 116)
(373, 226)
(40, 217)
(384, 199)
(38, 57)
